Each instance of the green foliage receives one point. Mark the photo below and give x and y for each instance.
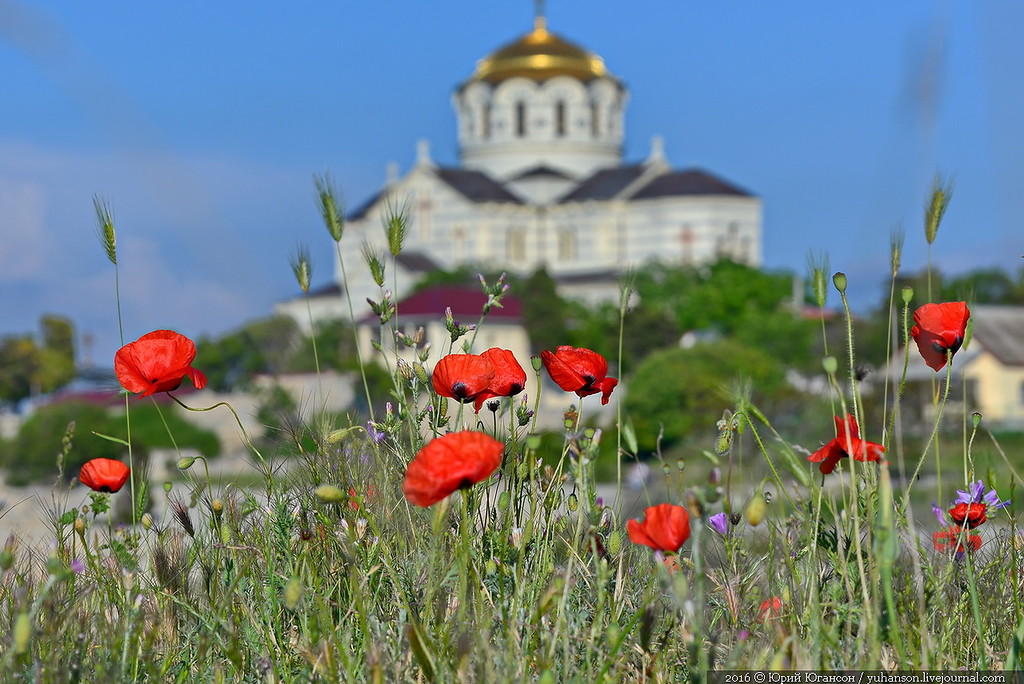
(334, 344)
(544, 311)
(263, 346)
(149, 430)
(684, 391)
(32, 455)
(28, 367)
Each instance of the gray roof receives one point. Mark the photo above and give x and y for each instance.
(476, 186)
(607, 183)
(604, 184)
(1000, 330)
(689, 182)
(541, 171)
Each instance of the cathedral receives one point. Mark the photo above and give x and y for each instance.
(541, 182)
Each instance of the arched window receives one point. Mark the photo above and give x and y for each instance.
(560, 118)
(520, 119)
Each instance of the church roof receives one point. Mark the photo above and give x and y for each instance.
(476, 186)
(605, 184)
(540, 55)
(689, 182)
(540, 171)
(609, 183)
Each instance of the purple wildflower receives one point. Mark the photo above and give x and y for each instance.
(376, 435)
(976, 494)
(720, 521)
(77, 566)
(939, 513)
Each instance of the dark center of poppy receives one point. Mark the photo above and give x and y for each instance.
(514, 389)
(466, 483)
(589, 381)
(105, 488)
(459, 390)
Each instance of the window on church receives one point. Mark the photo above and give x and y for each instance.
(560, 118)
(515, 245)
(520, 118)
(485, 127)
(595, 119)
(567, 244)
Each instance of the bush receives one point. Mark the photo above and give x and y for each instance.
(32, 455)
(683, 389)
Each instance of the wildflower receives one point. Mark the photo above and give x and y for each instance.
(970, 514)
(954, 539)
(462, 376)
(665, 527)
(971, 506)
(104, 474)
(157, 362)
(770, 608)
(454, 461)
(720, 522)
(847, 442)
(579, 370)
(938, 329)
(509, 377)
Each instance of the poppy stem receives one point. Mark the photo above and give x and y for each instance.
(905, 501)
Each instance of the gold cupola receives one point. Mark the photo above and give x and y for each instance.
(540, 55)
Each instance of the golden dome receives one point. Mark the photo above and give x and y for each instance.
(540, 55)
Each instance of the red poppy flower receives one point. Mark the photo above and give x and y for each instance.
(970, 514)
(157, 362)
(579, 370)
(950, 540)
(770, 609)
(939, 328)
(665, 527)
(841, 447)
(509, 377)
(462, 376)
(104, 474)
(454, 461)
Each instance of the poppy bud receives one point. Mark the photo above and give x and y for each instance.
(830, 365)
(681, 464)
(6, 560)
(907, 293)
(724, 442)
(614, 543)
(22, 632)
(147, 521)
(168, 485)
(185, 463)
(421, 372)
(573, 503)
(330, 494)
(79, 526)
(839, 280)
(503, 500)
(756, 510)
(292, 593)
(976, 419)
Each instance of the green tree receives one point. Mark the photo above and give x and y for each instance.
(545, 313)
(262, 346)
(686, 390)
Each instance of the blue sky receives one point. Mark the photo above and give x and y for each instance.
(202, 124)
